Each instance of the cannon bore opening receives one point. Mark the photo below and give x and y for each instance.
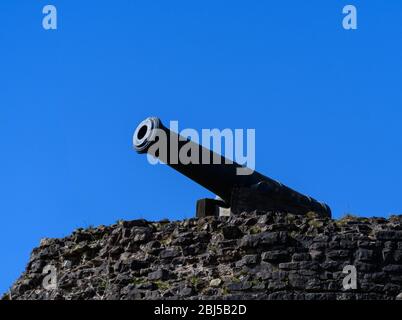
(142, 132)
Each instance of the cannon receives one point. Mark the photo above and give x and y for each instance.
(235, 192)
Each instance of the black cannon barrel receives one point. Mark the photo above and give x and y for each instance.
(213, 171)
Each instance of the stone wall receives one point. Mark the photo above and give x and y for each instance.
(258, 255)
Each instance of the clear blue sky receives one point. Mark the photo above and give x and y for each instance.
(326, 105)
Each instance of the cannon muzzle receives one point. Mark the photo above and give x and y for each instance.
(239, 192)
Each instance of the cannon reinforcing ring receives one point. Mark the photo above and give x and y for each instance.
(144, 134)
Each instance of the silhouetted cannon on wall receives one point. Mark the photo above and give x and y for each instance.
(237, 193)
